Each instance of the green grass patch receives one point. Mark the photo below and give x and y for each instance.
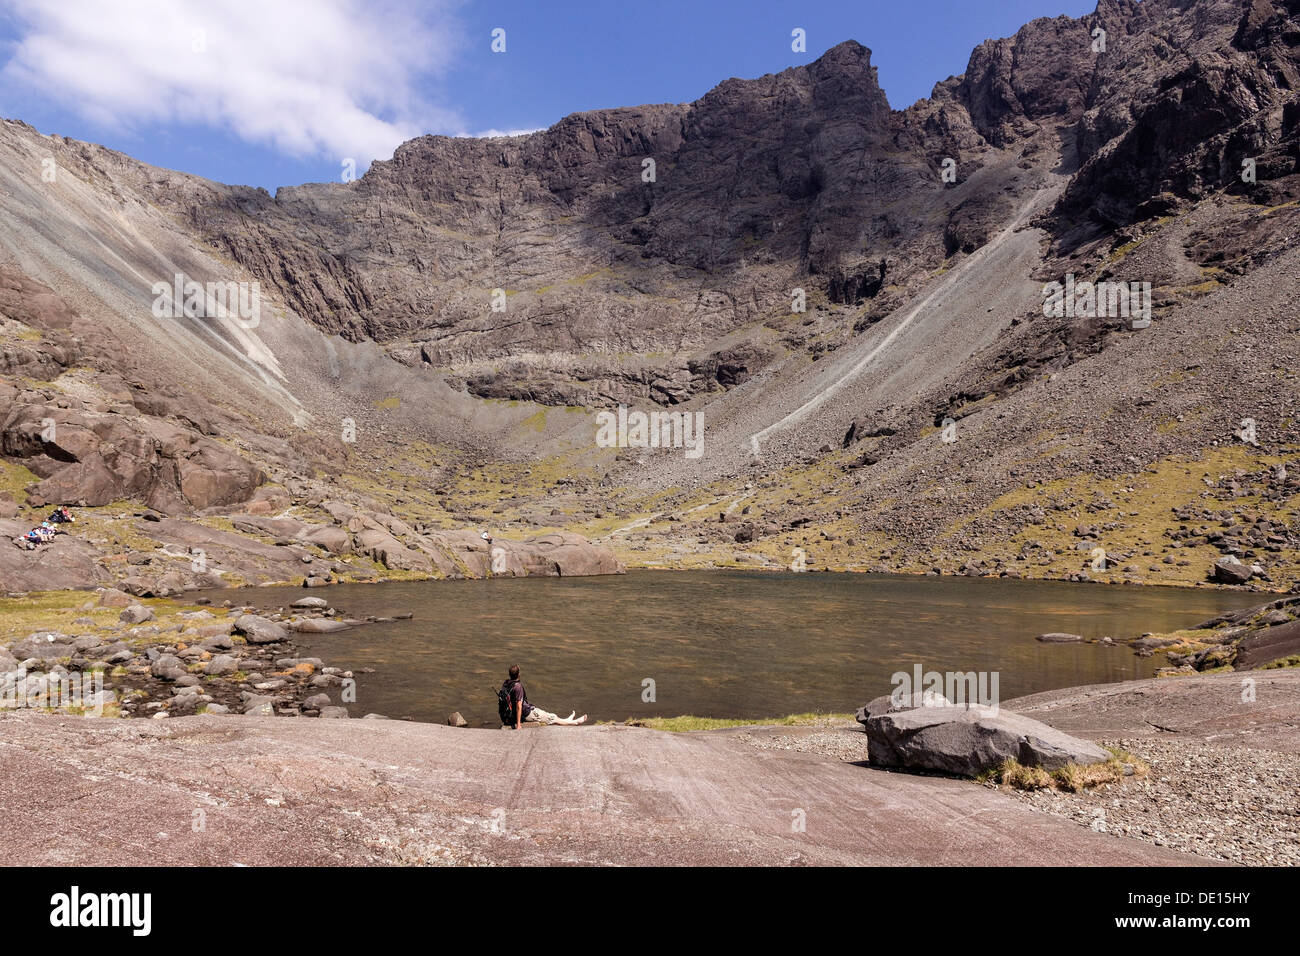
(1292, 661)
(686, 723)
(14, 480)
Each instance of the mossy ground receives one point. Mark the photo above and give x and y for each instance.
(544, 495)
(686, 724)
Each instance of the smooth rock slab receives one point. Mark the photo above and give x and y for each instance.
(968, 740)
(1267, 644)
(1059, 637)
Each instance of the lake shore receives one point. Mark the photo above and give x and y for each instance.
(292, 653)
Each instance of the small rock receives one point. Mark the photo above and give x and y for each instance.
(168, 667)
(136, 614)
(221, 665)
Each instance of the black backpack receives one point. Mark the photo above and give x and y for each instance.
(505, 707)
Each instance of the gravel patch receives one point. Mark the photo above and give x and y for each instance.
(844, 742)
(1223, 803)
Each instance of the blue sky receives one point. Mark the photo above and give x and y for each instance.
(279, 92)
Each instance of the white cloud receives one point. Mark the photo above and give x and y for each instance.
(492, 133)
(340, 78)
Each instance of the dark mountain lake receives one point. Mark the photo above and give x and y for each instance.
(725, 643)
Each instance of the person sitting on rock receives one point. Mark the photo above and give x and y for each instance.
(60, 516)
(520, 710)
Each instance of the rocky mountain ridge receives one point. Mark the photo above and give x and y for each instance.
(654, 256)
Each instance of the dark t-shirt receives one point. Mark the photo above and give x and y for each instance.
(517, 694)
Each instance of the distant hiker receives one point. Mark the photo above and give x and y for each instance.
(60, 516)
(486, 537)
(513, 706)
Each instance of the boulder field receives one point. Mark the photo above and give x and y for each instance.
(148, 554)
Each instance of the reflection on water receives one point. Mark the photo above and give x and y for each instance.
(726, 643)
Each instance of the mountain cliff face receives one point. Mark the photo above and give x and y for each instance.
(467, 304)
(805, 178)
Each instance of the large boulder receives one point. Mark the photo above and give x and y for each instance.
(136, 614)
(970, 739)
(112, 597)
(1228, 570)
(45, 645)
(258, 630)
(222, 665)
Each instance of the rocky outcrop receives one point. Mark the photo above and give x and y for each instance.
(94, 458)
(618, 231)
(1267, 644)
(395, 544)
(1182, 96)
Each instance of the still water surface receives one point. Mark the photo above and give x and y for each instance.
(725, 643)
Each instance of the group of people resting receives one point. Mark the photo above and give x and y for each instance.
(44, 532)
